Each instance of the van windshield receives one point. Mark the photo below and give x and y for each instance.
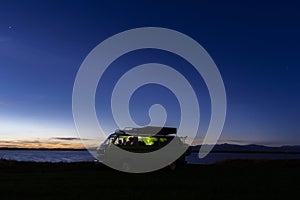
(109, 139)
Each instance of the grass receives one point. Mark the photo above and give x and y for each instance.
(236, 179)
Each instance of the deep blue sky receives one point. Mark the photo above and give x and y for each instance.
(255, 45)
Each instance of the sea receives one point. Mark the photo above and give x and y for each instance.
(84, 156)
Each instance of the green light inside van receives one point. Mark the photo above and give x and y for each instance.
(148, 140)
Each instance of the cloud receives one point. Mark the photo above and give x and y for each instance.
(67, 138)
(40, 144)
(50, 143)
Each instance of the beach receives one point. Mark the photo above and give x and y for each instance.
(232, 179)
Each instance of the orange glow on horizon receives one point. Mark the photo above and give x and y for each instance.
(47, 144)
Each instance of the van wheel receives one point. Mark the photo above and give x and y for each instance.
(126, 166)
(172, 166)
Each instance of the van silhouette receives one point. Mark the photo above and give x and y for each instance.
(140, 140)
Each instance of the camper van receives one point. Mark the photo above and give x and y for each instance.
(141, 140)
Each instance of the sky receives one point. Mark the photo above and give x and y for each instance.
(255, 45)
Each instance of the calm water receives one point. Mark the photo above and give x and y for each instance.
(215, 157)
(84, 156)
(46, 156)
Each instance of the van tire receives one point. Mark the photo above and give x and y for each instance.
(125, 166)
(172, 166)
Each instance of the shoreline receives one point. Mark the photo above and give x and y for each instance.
(191, 151)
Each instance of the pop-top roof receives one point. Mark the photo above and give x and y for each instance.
(150, 130)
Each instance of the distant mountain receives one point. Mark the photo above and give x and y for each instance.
(250, 148)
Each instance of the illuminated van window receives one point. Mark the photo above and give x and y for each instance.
(148, 140)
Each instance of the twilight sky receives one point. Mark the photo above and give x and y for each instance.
(255, 45)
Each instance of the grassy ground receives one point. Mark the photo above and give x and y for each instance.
(228, 180)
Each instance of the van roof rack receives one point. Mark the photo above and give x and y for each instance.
(150, 130)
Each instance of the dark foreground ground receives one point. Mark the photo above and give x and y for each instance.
(237, 179)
